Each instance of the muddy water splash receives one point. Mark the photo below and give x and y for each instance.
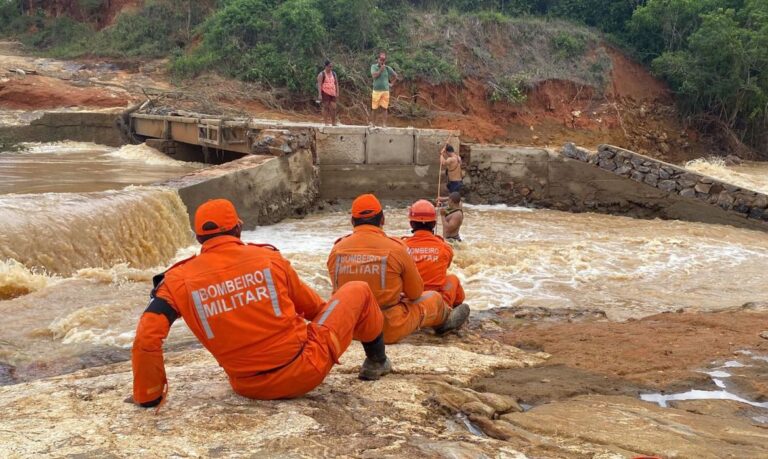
(64, 232)
(16, 279)
(750, 175)
(513, 256)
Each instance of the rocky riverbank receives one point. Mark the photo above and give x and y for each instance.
(462, 396)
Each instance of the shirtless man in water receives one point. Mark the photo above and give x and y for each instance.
(452, 218)
(451, 162)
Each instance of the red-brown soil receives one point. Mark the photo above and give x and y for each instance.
(34, 92)
(630, 80)
(635, 111)
(72, 8)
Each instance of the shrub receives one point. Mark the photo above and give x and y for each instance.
(510, 90)
(569, 46)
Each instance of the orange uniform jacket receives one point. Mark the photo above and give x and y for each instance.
(244, 303)
(432, 255)
(368, 254)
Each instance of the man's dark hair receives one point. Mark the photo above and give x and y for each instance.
(326, 63)
(449, 148)
(455, 196)
(374, 220)
(233, 232)
(417, 226)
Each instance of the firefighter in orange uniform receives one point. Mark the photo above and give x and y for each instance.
(432, 254)
(247, 306)
(369, 255)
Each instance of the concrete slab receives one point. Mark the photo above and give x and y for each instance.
(407, 182)
(390, 146)
(341, 144)
(96, 127)
(489, 155)
(430, 142)
(264, 189)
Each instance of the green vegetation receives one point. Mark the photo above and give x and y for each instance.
(160, 28)
(713, 53)
(508, 89)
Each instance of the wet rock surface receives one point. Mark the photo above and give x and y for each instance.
(659, 351)
(84, 413)
(631, 426)
(538, 385)
(463, 395)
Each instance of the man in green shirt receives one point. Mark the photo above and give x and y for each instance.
(382, 78)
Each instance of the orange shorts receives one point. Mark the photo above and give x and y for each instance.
(351, 313)
(406, 317)
(380, 99)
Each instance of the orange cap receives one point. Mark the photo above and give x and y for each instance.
(422, 211)
(215, 216)
(365, 205)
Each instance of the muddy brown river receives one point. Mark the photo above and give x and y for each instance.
(76, 266)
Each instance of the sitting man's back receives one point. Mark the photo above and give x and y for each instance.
(433, 256)
(369, 255)
(246, 305)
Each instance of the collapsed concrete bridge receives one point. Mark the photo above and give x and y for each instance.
(273, 169)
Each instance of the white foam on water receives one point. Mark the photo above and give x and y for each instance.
(733, 364)
(16, 279)
(118, 274)
(148, 155)
(86, 325)
(496, 207)
(749, 175)
(514, 256)
(301, 236)
(63, 148)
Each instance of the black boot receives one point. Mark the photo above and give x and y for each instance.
(376, 362)
(455, 320)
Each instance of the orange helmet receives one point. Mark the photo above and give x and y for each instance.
(422, 211)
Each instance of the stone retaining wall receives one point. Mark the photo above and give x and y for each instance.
(611, 180)
(674, 180)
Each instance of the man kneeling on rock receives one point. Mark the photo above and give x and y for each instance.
(247, 306)
(433, 255)
(369, 255)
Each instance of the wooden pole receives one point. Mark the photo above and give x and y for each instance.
(440, 170)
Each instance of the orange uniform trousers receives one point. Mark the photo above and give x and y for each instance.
(453, 293)
(404, 318)
(351, 313)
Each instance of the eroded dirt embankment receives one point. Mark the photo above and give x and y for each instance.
(634, 110)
